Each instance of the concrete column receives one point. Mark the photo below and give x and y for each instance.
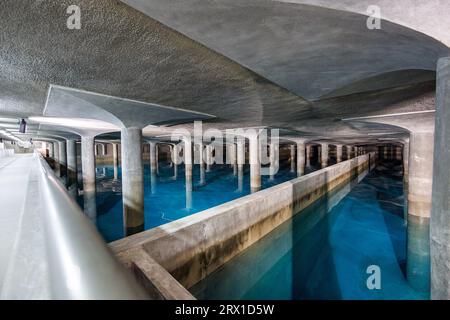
(339, 152)
(274, 157)
(72, 160)
(292, 158)
(202, 164)
(62, 158)
(171, 155)
(208, 156)
(233, 157)
(399, 155)
(50, 150)
(188, 170)
(132, 180)
(72, 167)
(301, 159)
(255, 164)
(419, 208)
(385, 152)
(308, 156)
(157, 158)
(440, 215)
(43, 148)
(188, 157)
(175, 161)
(405, 178)
(56, 158)
(153, 160)
(115, 151)
(324, 155)
(88, 170)
(240, 146)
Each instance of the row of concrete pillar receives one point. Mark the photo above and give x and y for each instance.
(65, 156)
(132, 167)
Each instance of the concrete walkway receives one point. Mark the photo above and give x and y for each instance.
(23, 269)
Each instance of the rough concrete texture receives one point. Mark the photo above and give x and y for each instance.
(195, 246)
(123, 53)
(440, 214)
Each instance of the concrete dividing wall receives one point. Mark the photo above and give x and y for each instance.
(191, 248)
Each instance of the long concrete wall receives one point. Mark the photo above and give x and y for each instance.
(193, 247)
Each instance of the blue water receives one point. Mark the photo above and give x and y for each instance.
(324, 252)
(165, 197)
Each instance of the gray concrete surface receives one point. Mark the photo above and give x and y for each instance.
(23, 264)
(440, 214)
(132, 180)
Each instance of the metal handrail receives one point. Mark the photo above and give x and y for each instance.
(80, 264)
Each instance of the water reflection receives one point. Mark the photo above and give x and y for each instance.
(167, 197)
(324, 252)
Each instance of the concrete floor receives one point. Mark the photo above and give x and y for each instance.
(23, 270)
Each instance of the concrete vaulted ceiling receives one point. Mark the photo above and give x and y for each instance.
(429, 17)
(312, 51)
(302, 67)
